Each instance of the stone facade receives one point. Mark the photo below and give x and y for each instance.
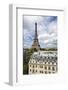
(43, 62)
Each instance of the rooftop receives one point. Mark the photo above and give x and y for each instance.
(44, 56)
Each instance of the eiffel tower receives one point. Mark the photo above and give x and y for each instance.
(35, 44)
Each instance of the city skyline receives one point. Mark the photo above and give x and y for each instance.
(46, 28)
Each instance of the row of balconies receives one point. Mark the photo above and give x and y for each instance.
(46, 67)
(43, 62)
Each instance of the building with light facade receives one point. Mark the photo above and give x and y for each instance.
(43, 62)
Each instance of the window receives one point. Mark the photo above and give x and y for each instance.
(52, 62)
(49, 68)
(49, 72)
(36, 65)
(30, 70)
(48, 57)
(45, 67)
(36, 70)
(45, 72)
(48, 62)
(45, 62)
(41, 66)
(41, 71)
(30, 65)
(33, 66)
(53, 68)
(33, 71)
(52, 57)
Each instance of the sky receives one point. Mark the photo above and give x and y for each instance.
(46, 29)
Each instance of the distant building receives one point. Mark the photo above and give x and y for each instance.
(35, 44)
(43, 62)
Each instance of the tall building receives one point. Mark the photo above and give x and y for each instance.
(35, 44)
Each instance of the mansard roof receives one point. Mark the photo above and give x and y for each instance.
(45, 56)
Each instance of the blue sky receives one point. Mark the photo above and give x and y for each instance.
(46, 28)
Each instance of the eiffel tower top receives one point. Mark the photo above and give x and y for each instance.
(35, 44)
(36, 30)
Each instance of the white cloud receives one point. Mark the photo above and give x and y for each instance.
(33, 19)
(47, 31)
(52, 27)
